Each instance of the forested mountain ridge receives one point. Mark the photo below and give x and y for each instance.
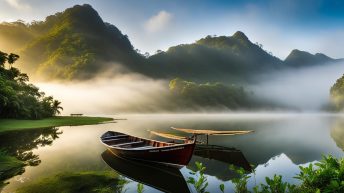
(78, 44)
(299, 58)
(74, 44)
(224, 57)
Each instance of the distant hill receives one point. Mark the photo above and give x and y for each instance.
(299, 58)
(216, 58)
(78, 44)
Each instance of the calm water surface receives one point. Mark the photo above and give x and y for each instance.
(280, 143)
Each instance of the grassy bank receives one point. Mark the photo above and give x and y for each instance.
(88, 181)
(14, 124)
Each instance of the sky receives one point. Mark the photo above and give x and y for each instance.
(315, 26)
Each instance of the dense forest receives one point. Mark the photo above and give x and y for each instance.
(74, 44)
(337, 93)
(77, 44)
(191, 95)
(19, 98)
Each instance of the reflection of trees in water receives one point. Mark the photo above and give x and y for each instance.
(337, 133)
(21, 143)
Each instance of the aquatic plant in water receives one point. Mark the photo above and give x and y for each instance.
(200, 182)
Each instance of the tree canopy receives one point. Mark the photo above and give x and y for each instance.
(212, 95)
(337, 93)
(20, 99)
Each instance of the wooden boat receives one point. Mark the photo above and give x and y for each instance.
(161, 177)
(130, 147)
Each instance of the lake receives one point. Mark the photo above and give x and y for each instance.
(279, 144)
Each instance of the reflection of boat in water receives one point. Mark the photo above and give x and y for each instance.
(149, 150)
(227, 155)
(163, 178)
(217, 158)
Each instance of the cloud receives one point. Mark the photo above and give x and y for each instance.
(158, 22)
(18, 4)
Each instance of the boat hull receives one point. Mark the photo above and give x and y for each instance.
(174, 155)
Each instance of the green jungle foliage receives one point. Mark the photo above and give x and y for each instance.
(78, 44)
(20, 99)
(73, 44)
(199, 183)
(214, 95)
(337, 93)
(215, 58)
(326, 177)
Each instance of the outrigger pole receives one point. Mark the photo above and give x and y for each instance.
(211, 132)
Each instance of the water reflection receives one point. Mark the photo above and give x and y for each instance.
(337, 133)
(163, 178)
(279, 145)
(21, 143)
(227, 155)
(168, 179)
(218, 158)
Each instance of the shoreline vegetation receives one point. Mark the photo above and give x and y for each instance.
(24, 106)
(18, 124)
(323, 176)
(19, 99)
(11, 166)
(326, 175)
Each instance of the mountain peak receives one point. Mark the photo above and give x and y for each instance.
(82, 15)
(321, 55)
(240, 35)
(303, 58)
(81, 8)
(297, 51)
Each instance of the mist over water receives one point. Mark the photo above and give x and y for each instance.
(303, 89)
(127, 93)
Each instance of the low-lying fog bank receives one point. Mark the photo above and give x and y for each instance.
(301, 90)
(306, 89)
(128, 93)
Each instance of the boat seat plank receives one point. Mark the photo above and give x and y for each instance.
(130, 143)
(113, 137)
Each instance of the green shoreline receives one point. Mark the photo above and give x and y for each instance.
(11, 166)
(15, 124)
